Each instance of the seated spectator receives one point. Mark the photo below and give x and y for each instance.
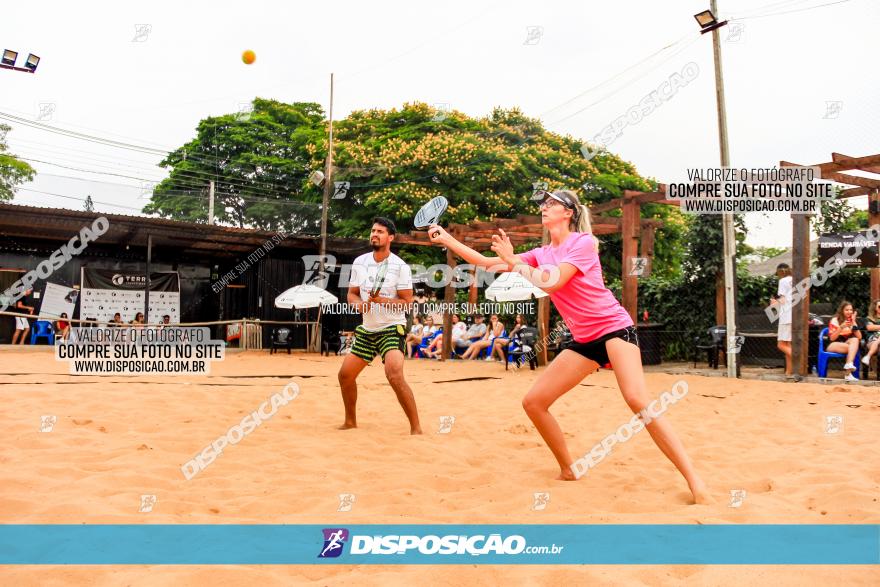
(459, 330)
(428, 329)
(62, 327)
(502, 343)
(495, 329)
(474, 333)
(873, 331)
(433, 308)
(138, 319)
(117, 320)
(844, 336)
(415, 335)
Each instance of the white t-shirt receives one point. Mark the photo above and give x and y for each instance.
(785, 304)
(397, 278)
(459, 332)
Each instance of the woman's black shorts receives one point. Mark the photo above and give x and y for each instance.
(595, 349)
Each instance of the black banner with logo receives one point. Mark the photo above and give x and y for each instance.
(106, 292)
(845, 243)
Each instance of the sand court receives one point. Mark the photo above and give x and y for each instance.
(114, 440)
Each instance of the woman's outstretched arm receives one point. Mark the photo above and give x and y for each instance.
(441, 237)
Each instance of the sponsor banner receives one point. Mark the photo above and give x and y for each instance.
(106, 292)
(57, 300)
(832, 243)
(208, 544)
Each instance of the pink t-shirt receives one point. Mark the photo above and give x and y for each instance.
(589, 309)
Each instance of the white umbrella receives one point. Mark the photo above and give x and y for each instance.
(305, 296)
(510, 287)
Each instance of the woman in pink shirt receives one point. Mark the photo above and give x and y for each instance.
(602, 329)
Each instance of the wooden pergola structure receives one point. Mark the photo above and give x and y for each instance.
(635, 232)
(860, 186)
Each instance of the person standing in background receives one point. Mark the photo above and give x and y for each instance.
(22, 324)
(783, 299)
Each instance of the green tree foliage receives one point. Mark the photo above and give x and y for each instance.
(13, 171)
(839, 216)
(394, 160)
(260, 163)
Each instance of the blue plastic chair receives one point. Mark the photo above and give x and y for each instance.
(822, 366)
(43, 329)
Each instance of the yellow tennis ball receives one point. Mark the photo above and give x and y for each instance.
(248, 57)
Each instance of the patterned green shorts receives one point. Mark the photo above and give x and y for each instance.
(369, 344)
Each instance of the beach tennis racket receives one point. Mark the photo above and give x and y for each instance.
(430, 213)
(380, 278)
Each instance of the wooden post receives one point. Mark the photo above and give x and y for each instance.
(449, 298)
(543, 317)
(800, 268)
(630, 239)
(646, 246)
(147, 282)
(720, 304)
(473, 292)
(873, 219)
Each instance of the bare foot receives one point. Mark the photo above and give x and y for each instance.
(414, 431)
(348, 426)
(566, 475)
(701, 494)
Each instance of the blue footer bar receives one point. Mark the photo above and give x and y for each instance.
(559, 544)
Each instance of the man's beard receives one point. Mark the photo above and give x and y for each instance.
(376, 246)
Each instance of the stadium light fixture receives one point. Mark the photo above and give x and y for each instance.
(708, 22)
(7, 61)
(32, 62)
(9, 57)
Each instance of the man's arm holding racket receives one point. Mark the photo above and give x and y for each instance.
(404, 297)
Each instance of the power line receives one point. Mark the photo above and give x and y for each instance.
(792, 11)
(76, 198)
(633, 66)
(611, 93)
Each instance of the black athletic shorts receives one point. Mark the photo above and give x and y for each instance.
(595, 349)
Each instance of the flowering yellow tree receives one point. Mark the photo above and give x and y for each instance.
(396, 160)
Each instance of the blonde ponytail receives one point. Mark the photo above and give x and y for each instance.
(583, 222)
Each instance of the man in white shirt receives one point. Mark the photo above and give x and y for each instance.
(383, 331)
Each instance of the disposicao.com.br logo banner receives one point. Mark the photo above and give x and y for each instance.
(553, 544)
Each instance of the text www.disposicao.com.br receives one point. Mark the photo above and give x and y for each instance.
(83, 367)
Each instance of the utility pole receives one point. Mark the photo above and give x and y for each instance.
(727, 219)
(325, 209)
(328, 183)
(211, 202)
(148, 283)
